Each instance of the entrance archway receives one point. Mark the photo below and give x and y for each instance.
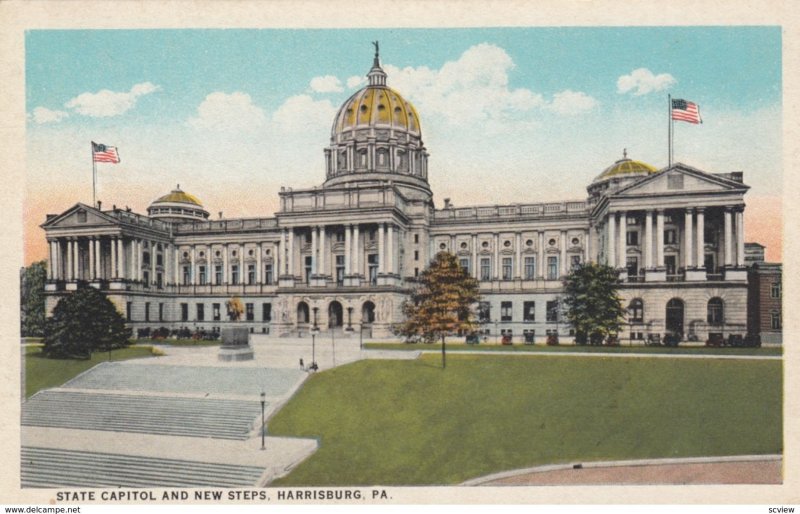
(368, 313)
(335, 316)
(302, 313)
(675, 316)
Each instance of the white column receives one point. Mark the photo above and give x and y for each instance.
(563, 257)
(611, 258)
(290, 256)
(739, 237)
(314, 250)
(70, 269)
(139, 258)
(356, 251)
(259, 263)
(321, 269)
(389, 248)
(540, 264)
(518, 256)
(348, 249)
(728, 238)
(587, 247)
(225, 270)
(496, 266)
(648, 239)
(622, 258)
(193, 265)
(115, 256)
(281, 256)
(49, 260)
(76, 263)
(701, 243)
(381, 263)
(475, 255)
(98, 259)
(242, 275)
(153, 247)
(91, 260)
(122, 257)
(687, 239)
(177, 271)
(56, 260)
(660, 238)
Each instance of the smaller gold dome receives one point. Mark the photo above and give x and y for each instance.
(626, 167)
(178, 196)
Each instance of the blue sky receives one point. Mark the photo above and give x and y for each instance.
(508, 115)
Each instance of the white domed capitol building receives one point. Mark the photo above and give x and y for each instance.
(343, 256)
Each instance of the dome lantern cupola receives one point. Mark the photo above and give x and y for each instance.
(177, 207)
(376, 138)
(620, 174)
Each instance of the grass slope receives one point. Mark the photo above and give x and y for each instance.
(410, 422)
(42, 372)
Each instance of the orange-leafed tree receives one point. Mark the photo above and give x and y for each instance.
(441, 303)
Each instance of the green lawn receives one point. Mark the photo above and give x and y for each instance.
(410, 422)
(691, 350)
(41, 372)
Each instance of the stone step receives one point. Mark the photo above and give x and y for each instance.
(50, 467)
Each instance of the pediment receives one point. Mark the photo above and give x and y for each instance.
(681, 179)
(80, 215)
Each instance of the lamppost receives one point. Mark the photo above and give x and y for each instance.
(313, 347)
(333, 347)
(263, 403)
(360, 336)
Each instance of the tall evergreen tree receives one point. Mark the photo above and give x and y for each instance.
(32, 299)
(441, 303)
(83, 322)
(593, 304)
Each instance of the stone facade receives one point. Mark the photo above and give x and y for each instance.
(344, 255)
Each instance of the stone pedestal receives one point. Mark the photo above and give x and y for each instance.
(235, 344)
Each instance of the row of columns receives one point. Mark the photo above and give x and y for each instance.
(98, 258)
(194, 262)
(416, 161)
(693, 238)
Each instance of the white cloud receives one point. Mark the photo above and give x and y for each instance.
(106, 103)
(43, 115)
(572, 102)
(223, 111)
(326, 84)
(303, 113)
(642, 81)
(356, 81)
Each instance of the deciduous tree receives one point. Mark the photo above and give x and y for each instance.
(32, 299)
(441, 303)
(593, 305)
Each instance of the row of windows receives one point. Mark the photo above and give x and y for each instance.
(233, 277)
(216, 312)
(528, 312)
(715, 311)
(507, 266)
(670, 237)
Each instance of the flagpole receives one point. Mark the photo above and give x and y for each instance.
(94, 178)
(670, 128)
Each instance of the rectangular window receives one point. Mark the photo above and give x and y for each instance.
(530, 268)
(529, 311)
(416, 272)
(187, 276)
(266, 312)
(147, 311)
(372, 268)
(249, 312)
(201, 312)
(486, 267)
(251, 274)
(775, 290)
(574, 261)
(632, 238)
(505, 311)
(552, 267)
(775, 321)
(146, 278)
(507, 264)
(235, 274)
(416, 238)
(268, 274)
(632, 265)
(159, 259)
(218, 274)
(159, 280)
(464, 263)
(215, 311)
(340, 269)
(484, 312)
(307, 268)
(184, 312)
(670, 237)
(670, 261)
(708, 262)
(416, 255)
(552, 311)
(202, 270)
(631, 220)
(128, 310)
(340, 237)
(160, 312)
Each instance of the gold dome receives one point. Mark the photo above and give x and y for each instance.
(178, 196)
(626, 167)
(377, 105)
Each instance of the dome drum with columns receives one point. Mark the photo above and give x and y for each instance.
(344, 256)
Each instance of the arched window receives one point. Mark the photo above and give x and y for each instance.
(716, 312)
(636, 309)
(302, 312)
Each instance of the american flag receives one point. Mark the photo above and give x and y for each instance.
(683, 110)
(103, 153)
